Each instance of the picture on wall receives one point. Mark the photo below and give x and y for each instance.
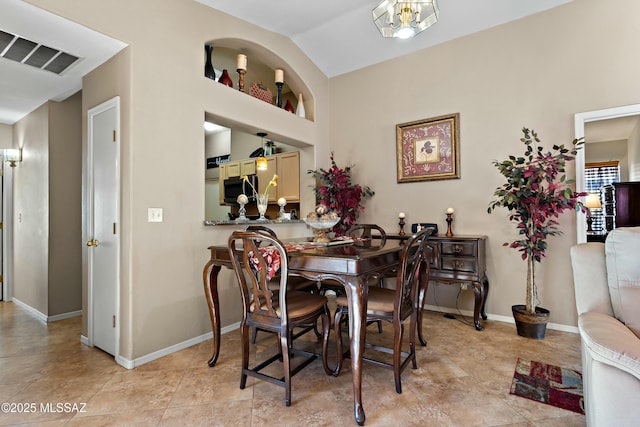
(428, 149)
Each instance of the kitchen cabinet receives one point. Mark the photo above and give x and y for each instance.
(287, 167)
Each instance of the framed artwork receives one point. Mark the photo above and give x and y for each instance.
(428, 149)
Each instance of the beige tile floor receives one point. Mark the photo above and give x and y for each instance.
(463, 379)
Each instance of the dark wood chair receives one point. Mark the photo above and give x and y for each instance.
(394, 306)
(278, 311)
(295, 283)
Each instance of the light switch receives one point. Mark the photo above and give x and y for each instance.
(155, 215)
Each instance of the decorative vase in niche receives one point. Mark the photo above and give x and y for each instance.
(289, 107)
(262, 200)
(300, 107)
(225, 79)
(208, 66)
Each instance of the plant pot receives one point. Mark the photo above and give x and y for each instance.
(530, 326)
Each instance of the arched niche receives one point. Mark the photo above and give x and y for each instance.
(261, 66)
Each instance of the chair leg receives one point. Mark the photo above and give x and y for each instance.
(325, 342)
(337, 321)
(397, 354)
(244, 331)
(284, 350)
(254, 335)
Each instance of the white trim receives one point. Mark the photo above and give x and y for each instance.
(84, 340)
(499, 318)
(130, 364)
(62, 316)
(579, 121)
(107, 105)
(32, 311)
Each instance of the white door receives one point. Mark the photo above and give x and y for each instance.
(103, 243)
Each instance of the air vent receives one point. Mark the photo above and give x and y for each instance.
(37, 55)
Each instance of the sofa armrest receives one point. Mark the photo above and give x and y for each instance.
(610, 342)
(590, 278)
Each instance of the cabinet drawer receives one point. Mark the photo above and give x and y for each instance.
(459, 248)
(467, 265)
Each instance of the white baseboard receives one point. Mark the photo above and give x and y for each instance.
(499, 318)
(130, 364)
(32, 311)
(43, 317)
(64, 316)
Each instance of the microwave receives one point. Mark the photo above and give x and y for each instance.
(233, 187)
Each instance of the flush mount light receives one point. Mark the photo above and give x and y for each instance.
(405, 19)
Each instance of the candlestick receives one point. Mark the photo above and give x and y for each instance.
(241, 62)
(450, 210)
(279, 94)
(241, 74)
(401, 224)
(449, 221)
(401, 215)
(279, 76)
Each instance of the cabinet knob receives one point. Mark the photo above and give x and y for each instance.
(457, 249)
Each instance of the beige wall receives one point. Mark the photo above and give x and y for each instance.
(162, 301)
(634, 154)
(47, 211)
(609, 151)
(31, 211)
(536, 72)
(6, 136)
(65, 184)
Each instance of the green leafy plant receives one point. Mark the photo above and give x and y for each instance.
(335, 190)
(537, 191)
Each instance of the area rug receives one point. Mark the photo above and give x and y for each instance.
(550, 384)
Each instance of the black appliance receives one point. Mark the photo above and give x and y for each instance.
(233, 187)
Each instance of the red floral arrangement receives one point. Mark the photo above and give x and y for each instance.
(336, 191)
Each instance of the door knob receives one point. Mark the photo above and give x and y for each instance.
(92, 242)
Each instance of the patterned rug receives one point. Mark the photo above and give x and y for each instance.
(550, 384)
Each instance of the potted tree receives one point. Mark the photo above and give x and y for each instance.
(537, 191)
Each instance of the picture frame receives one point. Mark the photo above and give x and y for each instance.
(428, 149)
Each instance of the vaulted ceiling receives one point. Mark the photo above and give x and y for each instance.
(339, 36)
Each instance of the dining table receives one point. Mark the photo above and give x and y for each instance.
(349, 263)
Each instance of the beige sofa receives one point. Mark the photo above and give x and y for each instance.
(607, 286)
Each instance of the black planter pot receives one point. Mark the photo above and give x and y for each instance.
(530, 326)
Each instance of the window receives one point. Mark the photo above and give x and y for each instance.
(597, 176)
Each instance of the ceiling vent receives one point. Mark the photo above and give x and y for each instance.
(35, 54)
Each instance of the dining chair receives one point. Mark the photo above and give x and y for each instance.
(253, 255)
(296, 283)
(394, 306)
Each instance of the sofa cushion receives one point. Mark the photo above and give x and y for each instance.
(622, 249)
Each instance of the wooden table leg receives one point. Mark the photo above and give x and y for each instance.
(485, 282)
(210, 279)
(479, 291)
(356, 295)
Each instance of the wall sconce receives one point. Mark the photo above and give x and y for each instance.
(592, 201)
(13, 155)
(261, 163)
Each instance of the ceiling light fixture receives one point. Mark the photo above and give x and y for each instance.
(261, 163)
(405, 19)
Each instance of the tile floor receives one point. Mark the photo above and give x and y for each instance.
(463, 379)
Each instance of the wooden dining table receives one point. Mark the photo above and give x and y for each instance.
(350, 264)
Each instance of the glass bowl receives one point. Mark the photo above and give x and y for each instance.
(321, 229)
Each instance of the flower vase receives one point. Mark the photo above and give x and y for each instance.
(262, 200)
(225, 79)
(208, 66)
(289, 107)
